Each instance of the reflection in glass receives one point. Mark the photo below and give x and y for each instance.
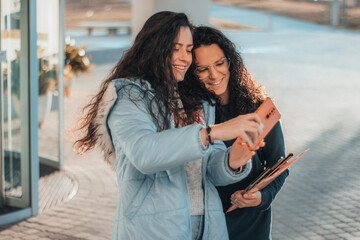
(48, 55)
(11, 73)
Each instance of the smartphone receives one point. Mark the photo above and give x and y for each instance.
(269, 115)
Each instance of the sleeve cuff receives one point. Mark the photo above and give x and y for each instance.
(265, 201)
(245, 168)
(203, 147)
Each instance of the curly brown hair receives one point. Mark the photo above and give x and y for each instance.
(245, 94)
(149, 59)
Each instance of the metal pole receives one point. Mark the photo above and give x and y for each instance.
(2, 157)
(2, 174)
(33, 89)
(61, 84)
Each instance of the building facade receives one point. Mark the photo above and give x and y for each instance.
(31, 101)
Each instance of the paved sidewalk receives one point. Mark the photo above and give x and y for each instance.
(313, 73)
(90, 213)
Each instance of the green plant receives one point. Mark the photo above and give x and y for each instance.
(76, 61)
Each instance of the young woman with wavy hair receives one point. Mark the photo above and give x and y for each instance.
(220, 76)
(167, 153)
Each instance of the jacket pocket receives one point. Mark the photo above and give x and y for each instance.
(139, 198)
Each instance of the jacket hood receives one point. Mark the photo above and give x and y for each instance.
(102, 134)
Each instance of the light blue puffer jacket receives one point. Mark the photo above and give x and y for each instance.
(153, 200)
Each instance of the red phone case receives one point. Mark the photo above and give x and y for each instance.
(269, 116)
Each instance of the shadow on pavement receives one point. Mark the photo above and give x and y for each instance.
(321, 197)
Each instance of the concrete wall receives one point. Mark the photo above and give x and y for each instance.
(197, 11)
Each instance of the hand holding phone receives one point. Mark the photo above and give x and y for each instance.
(269, 115)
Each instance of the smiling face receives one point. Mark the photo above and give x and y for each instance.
(211, 59)
(181, 56)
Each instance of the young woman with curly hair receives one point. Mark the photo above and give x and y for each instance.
(220, 75)
(166, 150)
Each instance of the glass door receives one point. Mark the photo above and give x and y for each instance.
(14, 106)
(50, 105)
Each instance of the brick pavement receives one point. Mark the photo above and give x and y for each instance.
(90, 213)
(315, 82)
(321, 197)
(312, 72)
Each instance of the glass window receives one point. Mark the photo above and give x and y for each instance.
(14, 107)
(49, 104)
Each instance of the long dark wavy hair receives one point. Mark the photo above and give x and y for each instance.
(149, 59)
(245, 94)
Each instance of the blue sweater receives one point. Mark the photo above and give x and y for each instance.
(254, 222)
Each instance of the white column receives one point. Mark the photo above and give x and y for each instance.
(140, 11)
(335, 8)
(197, 11)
